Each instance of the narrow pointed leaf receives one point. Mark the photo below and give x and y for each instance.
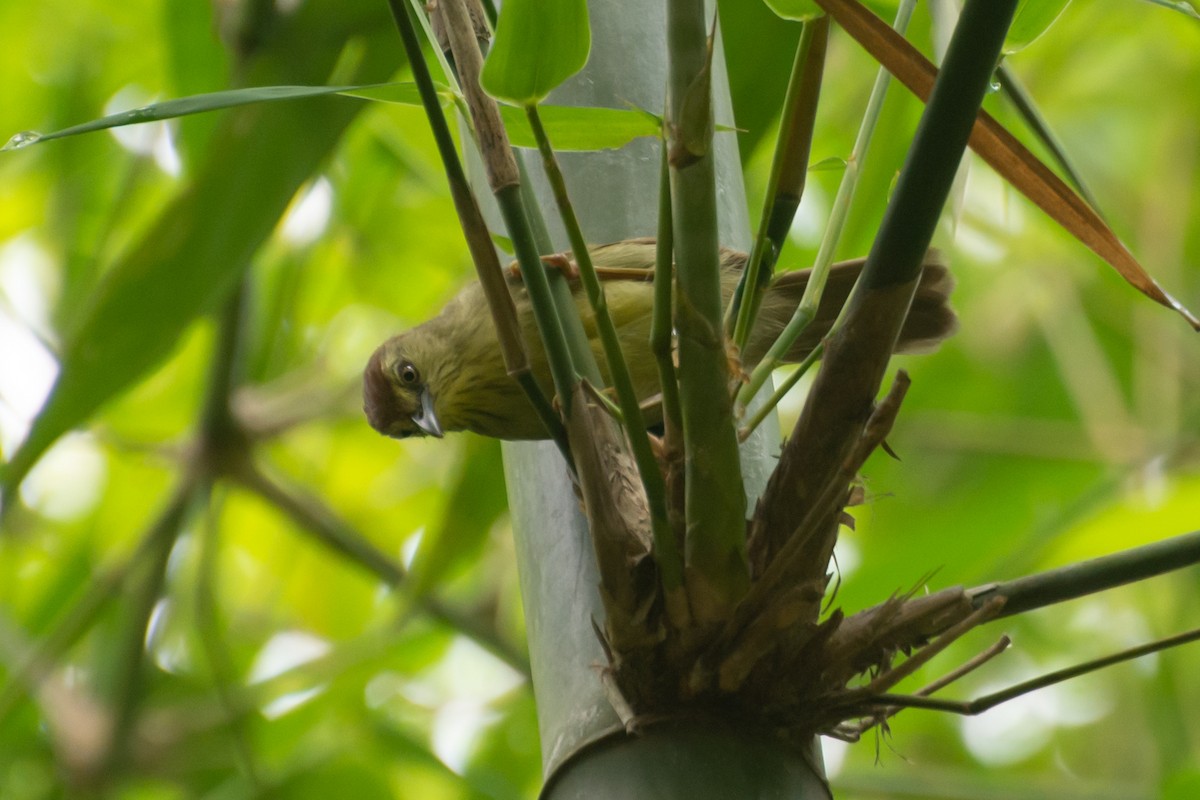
(799, 10)
(1182, 6)
(215, 101)
(1034, 17)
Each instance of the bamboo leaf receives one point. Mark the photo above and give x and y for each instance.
(187, 261)
(800, 10)
(538, 45)
(1182, 6)
(474, 502)
(1033, 19)
(830, 164)
(1001, 150)
(215, 101)
(582, 128)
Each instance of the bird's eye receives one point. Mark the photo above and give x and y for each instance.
(408, 374)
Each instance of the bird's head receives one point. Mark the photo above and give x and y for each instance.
(397, 397)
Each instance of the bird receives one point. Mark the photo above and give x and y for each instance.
(448, 374)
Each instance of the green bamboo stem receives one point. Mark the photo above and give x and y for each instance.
(715, 499)
(1087, 577)
(807, 309)
(661, 329)
(780, 392)
(560, 289)
(665, 547)
(857, 352)
(785, 186)
(907, 228)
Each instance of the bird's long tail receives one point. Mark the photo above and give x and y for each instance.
(930, 318)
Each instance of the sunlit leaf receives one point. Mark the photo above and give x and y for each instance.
(186, 262)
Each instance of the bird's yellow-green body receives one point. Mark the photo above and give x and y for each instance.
(448, 373)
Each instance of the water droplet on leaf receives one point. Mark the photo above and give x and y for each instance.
(22, 139)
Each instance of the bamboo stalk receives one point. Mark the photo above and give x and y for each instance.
(785, 186)
(665, 548)
(807, 309)
(857, 353)
(714, 496)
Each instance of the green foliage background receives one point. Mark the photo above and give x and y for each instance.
(1061, 423)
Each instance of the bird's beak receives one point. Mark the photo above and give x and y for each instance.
(425, 418)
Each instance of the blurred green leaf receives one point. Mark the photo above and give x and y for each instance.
(343, 777)
(1182, 785)
(1032, 19)
(474, 502)
(188, 260)
(828, 164)
(538, 45)
(759, 50)
(196, 63)
(798, 10)
(1182, 6)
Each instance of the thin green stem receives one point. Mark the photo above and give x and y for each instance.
(665, 546)
(715, 499)
(806, 311)
(661, 330)
(925, 180)
(537, 283)
(781, 391)
(551, 308)
(785, 186)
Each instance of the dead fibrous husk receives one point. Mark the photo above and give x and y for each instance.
(775, 662)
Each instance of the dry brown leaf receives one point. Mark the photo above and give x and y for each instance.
(1001, 150)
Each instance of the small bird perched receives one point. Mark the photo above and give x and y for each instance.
(448, 374)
